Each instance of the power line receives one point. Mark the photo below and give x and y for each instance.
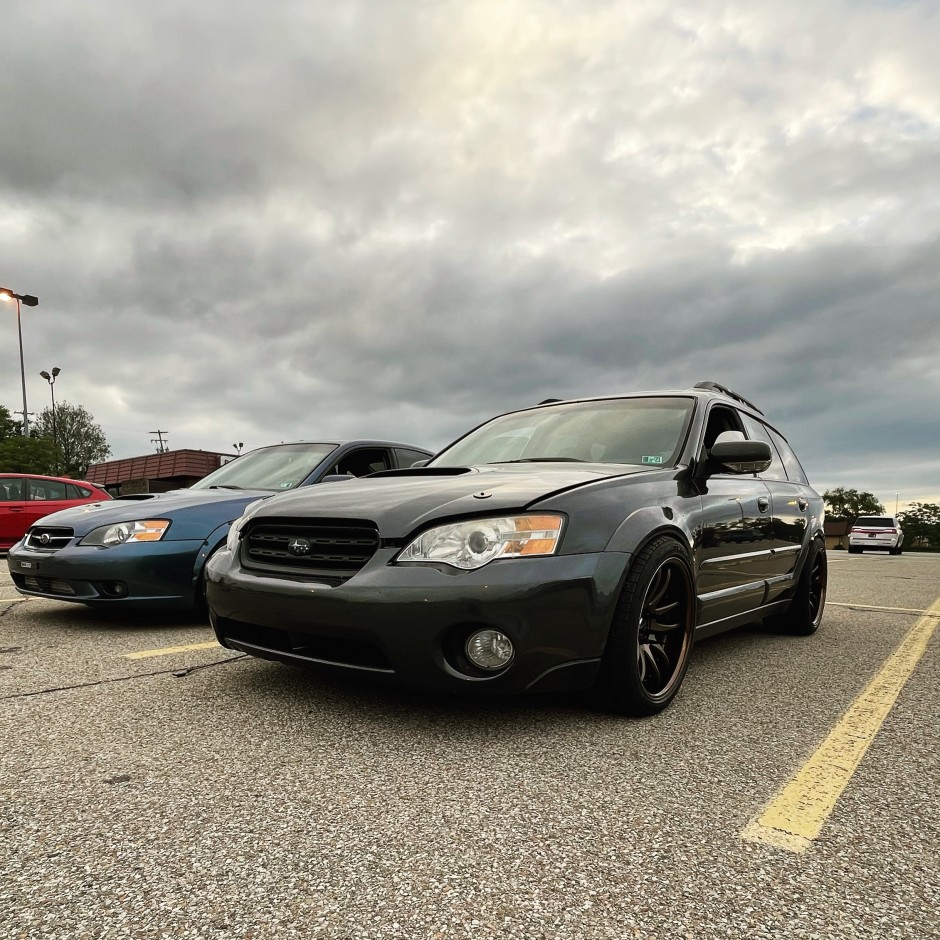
(162, 445)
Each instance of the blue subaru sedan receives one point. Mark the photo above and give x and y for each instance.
(151, 549)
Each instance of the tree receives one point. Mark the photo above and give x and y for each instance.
(921, 524)
(80, 441)
(850, 504)
(20, 454)
(8, 427)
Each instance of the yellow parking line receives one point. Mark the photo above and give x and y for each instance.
(166, 650)
(799, 811)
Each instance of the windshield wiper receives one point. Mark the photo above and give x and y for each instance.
(543, 460)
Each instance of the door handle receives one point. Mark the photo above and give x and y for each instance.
(802, 502)
(763, 503)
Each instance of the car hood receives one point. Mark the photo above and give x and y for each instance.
(401, 501)
(213, 506)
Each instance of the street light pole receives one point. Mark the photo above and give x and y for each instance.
(30, 301)
(51, 380)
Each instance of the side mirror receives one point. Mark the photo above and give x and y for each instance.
(733, 454)
(337, 478)
(419, 463)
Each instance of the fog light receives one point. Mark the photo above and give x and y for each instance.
(489, 649)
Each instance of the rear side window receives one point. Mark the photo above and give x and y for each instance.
(77, 492)
(45, 489)
(408, 457)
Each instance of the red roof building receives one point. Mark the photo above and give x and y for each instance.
(155, 473)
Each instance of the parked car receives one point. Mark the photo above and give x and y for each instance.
(151, 549)
(876, 532)
(572, 545)
(27, 497)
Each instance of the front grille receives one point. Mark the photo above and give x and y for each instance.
(312, 647)
(49, 538)
(45, 585)
(328, 551)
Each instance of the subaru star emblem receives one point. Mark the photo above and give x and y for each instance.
(299, 546)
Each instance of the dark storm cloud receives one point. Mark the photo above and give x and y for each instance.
(261, 222)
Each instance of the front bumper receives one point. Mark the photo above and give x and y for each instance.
(408, 623)
(150, 574)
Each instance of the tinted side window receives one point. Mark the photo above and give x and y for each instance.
(407, 457)
(11, 490)
(794, 470)
(757, 431)
(361, 462)
(45, 489)
(77, 492)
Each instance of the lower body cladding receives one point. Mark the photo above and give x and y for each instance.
(149, 574)
(536, 623)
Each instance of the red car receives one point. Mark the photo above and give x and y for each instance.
(26, 497)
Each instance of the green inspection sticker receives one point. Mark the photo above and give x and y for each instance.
(652, 459)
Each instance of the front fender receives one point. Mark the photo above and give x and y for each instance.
(646, 523)
(214, 540)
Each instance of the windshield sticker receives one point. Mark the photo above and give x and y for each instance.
(652, 459)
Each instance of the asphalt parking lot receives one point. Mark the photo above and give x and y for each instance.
(154, 785)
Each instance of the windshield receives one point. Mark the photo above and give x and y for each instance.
(644, 431)
(281, 467)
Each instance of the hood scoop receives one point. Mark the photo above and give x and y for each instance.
(424, 472)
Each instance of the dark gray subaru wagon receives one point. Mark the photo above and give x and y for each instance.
(573, 545)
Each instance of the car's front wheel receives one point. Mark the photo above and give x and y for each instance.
(651, 633)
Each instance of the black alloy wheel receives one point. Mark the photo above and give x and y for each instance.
(652, 632)
(809, 601)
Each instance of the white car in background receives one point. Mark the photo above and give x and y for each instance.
(876, 532)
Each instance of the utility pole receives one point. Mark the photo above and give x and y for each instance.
(162, 445)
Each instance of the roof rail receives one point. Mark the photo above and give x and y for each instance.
(716, 387)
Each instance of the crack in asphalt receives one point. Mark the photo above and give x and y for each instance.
(179, 673)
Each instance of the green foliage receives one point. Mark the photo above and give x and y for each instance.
(921, 524)
(20, 454)
(65, 447)
(80, 441)
(8, 427)
(850, 504)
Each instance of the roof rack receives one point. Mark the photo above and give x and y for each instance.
(715, 387)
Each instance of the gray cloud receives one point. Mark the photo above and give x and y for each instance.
(260, 223)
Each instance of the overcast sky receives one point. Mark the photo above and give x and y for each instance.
(255, 222)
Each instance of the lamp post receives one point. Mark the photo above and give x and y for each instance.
(30, 301)
(51, 380)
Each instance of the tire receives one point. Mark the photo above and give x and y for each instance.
(854, 551)
(651, 633)
(805, 613)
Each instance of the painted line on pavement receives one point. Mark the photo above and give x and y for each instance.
(167, 650)
(797, 814)
(894, 610)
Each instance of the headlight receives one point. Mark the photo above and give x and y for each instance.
(141, 530)
(473, 544)
(235, 529)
